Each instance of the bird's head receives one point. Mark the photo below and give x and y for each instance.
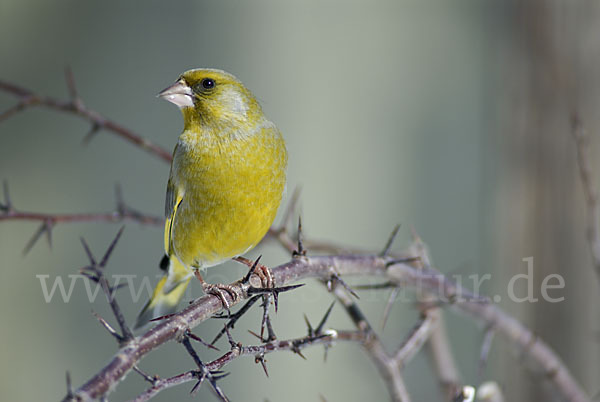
(209, 97)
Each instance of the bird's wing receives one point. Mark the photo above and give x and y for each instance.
(173, 199)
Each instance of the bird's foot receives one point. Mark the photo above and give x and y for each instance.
(262, 271)
(218, 289)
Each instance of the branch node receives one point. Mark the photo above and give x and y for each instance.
(203, 372)
(95, 272)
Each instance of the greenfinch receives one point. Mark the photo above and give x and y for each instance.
(225, 186)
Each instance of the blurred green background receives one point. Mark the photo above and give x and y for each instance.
(450, 116)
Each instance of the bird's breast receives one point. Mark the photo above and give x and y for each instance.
(232, 188)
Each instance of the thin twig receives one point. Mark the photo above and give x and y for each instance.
(440, 351)
(48, 221)
(589, 190)
(484, 353)
(233, 318)
(203, 372)
(415, 339)
(27, 98)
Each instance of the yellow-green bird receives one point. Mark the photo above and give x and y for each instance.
(225, 186)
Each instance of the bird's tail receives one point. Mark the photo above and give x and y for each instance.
(167, 293)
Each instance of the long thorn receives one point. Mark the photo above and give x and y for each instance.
(252, 269)
(261, 359)
(111, 247)
(390, 241)
(198, 339)
(291, 207)
(235, 317)
(43, 228)
(94, 129)
(7, 206)
(108, 327)
(150, 379)
(300, 251)
(310, 328)
(388, 306)
(69, 385)
(486, 346)
(71, 84)
(324, 319)
(88, 252)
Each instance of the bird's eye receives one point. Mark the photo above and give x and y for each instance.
(208, 83)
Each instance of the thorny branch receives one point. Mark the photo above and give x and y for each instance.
(446, 292)
(95, 272)
(320, 336)
(121, 213)
(398, 270)
(27, 98)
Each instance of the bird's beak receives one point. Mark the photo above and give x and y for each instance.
(179, 94)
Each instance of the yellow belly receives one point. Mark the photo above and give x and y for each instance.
(230, 192)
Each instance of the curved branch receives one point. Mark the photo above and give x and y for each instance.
(323, 267)
(28, 98)
(292, 345)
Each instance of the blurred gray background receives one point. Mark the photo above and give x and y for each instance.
(450, 116)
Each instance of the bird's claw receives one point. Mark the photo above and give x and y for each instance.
(265, 275)
(262, 271)
(219, 290)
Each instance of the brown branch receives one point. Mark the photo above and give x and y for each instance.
(416, 338)
(123, 212)
(388, 366)
(440, 353)
(257, 352)
(111, 217)
(589, 190)
(27, 98)
(438, 344)
(47, 221)
(320, 267)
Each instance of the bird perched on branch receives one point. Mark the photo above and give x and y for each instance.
(225, 186)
